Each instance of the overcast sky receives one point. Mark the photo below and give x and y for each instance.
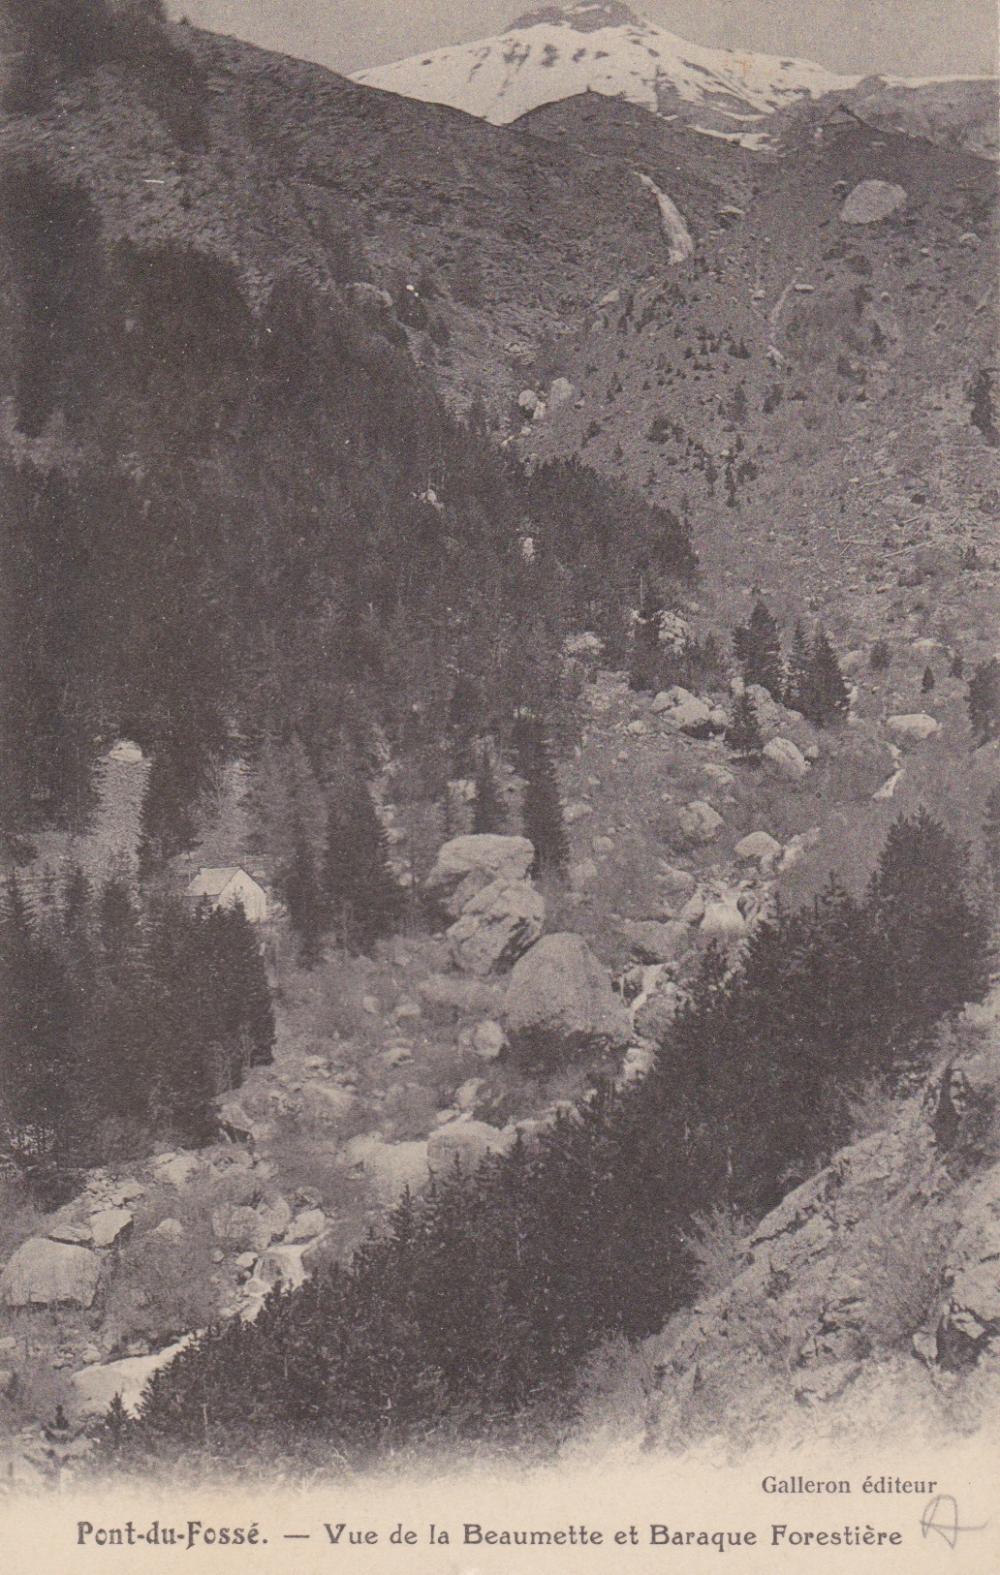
(912, 37)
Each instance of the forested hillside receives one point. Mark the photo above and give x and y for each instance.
(548, 572)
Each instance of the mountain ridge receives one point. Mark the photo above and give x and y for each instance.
(557, 52)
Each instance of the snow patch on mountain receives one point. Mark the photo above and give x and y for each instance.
(557, 53)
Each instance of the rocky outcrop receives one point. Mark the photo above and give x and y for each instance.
(45, 1273)
(913, 728)
(560, 1002)
(873, 1288)
(481, 882)
(871, 201)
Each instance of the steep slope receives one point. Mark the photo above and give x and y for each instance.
(595, 46)
(792, 338)
(865, 1305)
(483, 240)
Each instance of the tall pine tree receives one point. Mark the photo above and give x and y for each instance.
(757, 645)
(488, 811)
(303, 895)
(362, 897)
(743, 735)
(830, 695)
(542, 810)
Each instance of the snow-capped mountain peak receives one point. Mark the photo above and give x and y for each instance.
(602, 46)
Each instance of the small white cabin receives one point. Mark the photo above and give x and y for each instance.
(228, 886)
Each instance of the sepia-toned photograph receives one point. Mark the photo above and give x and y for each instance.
(500, 782)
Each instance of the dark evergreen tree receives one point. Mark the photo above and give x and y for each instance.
(488, 812)
(645, 655)
(186, 1060)
(984, 701)
(743, 735)
(361, 895)
(167, 824)
(542, 808)
(828, 694)
(927, 682)
(36, 1082)
(799, 687)
(236, 1016)
(757, 645)
(303, 895)
(930, 938)
(991, 834)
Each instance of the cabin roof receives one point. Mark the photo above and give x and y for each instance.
(213, 882)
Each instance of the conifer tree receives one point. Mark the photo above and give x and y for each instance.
(238, 1014)
(798, 689)
(931, 939)
(757, 645)
(829, 696)
(983, 700)
(645, 656)
(488, 812)
(302, 893)
(542, 809)
(361, 895)
(743, 735)
(927, 682)
(183, 1077)
(991, 834)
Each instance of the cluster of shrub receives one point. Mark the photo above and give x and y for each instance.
(123, 1019)
(470, 1313)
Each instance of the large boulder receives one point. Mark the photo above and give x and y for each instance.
(111, 1226)
(466, 1142)
(652, 942)
(722, 919)
(786, 759)
(699, 822)
(390, 1167)
(758, 848)
(561, 391)
(47, 1273)
(679, 708)
(560, 1001)
(871, 201)
(466, 864)
(496, 926)
(913, 728)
